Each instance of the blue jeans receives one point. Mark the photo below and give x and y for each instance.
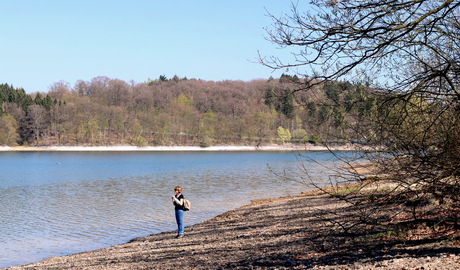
(180, 220)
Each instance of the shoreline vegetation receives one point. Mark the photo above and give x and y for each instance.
(295, 232)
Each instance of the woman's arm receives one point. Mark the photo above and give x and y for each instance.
(178, 202)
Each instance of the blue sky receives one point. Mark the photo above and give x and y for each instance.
(48, 41)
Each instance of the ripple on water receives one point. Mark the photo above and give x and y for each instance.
(92, 201)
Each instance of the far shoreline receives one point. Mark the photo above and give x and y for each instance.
(130, 148)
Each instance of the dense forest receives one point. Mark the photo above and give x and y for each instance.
(181, 111)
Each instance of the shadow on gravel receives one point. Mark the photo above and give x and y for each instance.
(303, 254)
(335, 236)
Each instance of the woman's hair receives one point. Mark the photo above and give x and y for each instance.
(178, 188)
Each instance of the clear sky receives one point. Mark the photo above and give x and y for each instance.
(48, 41)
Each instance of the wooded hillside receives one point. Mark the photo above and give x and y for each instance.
(180, 111)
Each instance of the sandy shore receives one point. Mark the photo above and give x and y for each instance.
(286, 147)
(298, 232)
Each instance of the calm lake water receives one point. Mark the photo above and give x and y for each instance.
(59, 203)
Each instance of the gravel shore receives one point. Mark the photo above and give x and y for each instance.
(299, 232)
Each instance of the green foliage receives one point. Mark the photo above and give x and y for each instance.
(137, 131)
(140, 141)
(280, 99)
(305, 139)
(206, 142)
(9, 94)
(299, 133)
(345, 191)
(284, 134)
(88, 132)
(8, 131)
(332, 91)
(209, 123)
(184, 100)
(315, 139)
(285, 78)
(12, 95)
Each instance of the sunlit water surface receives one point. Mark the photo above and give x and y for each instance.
(59, 203)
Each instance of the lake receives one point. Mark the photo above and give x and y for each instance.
(60, 203)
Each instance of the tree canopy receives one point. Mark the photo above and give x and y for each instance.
(105, 111)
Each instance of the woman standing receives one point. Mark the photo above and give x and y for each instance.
(178, 201)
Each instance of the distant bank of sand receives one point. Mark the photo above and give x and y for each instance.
(127, 148)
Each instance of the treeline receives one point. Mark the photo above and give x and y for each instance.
(182, 111)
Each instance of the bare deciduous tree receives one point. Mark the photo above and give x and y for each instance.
(407, 50)
(37, 115)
